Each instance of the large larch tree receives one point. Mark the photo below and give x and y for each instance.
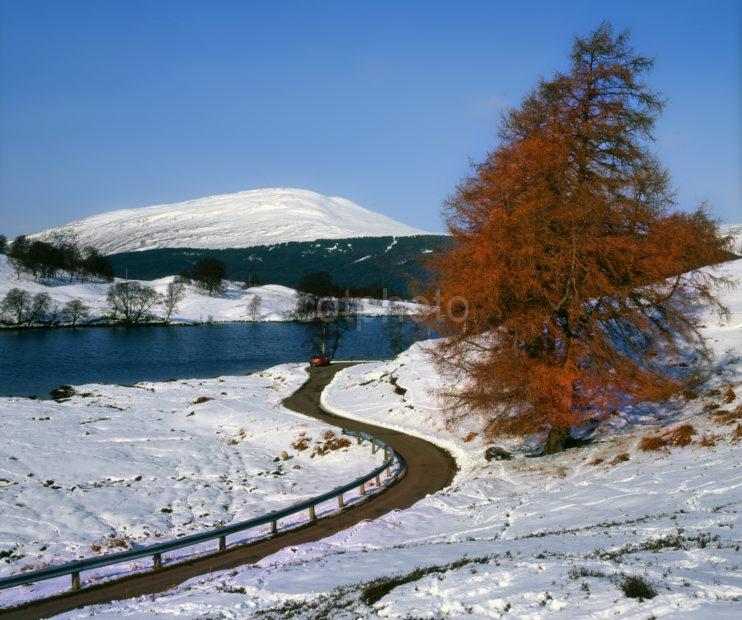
(574, 264)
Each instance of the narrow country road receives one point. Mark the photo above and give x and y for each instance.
(430, 469)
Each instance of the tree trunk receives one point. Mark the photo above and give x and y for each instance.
(556, 440)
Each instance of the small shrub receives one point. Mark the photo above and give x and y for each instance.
(329, 443)
(620, 458)
(651, 444)
(579, 573)
(202, 399)
(301, 443)
(729, 395)
(470, 437)
(737, 433)
(596, 461)
(709, 440)
(637, 587)
(62, 392)
(682, 436)
(724, 417)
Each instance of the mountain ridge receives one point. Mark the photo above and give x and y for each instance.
(244, 219)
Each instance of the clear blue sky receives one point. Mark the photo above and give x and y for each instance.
(106, 105)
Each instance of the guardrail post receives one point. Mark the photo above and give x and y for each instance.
(341, 503)
(222, 543)
(386, 453)
(358, 438)
(389, 472)
(363, 488)
(312, 514)
(157, 557)
(274, 527)
(76, 580)
(378, 481)
(374, 447)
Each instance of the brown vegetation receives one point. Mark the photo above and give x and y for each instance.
(709, 440)
(725, 417)
(330, 442)
(676, 438)
(620, 458)
(566, 287)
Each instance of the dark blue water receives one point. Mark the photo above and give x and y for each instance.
(32, 362)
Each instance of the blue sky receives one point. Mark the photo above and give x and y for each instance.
(107, 105)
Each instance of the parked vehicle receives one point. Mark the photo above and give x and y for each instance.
(319, 360)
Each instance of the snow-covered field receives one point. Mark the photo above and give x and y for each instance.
(526, 538)
(244, 219)
(277, 303)
(118, 466)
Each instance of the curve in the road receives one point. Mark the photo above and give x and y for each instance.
(429, 469)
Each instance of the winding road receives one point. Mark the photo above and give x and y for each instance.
(429, 469)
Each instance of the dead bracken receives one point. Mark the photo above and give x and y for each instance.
(676, 438)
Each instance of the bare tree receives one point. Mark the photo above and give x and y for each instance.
(16, 306)
(75, 310)
(131, 302)
(253, 307)
(40, 306)
(174, 294)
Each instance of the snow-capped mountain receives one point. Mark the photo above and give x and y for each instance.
(244, 219)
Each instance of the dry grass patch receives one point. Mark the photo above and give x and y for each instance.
(301, 443)
(737, 433)
(620, 458)
(725, 417)
(709, 440)
(676, 438)
(329, 443)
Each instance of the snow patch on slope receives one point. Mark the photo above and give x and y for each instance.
(243, 219)
(119, 466)
(530, 537)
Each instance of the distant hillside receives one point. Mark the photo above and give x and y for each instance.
(389, 262)
(241, 220)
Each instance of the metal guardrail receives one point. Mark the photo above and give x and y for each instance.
(155, 551)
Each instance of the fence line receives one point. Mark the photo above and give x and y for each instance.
(155, 551)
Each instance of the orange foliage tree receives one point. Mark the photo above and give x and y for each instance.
(569, 256)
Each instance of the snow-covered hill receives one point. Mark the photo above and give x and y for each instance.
(605, 531)
(244, 219)
(276, 303)
(735, 230)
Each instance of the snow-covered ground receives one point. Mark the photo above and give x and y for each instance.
(118, 466)
(244, 219)
(277, 303)
(735, 230)
(525, 538)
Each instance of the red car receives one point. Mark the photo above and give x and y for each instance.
(319, 360)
